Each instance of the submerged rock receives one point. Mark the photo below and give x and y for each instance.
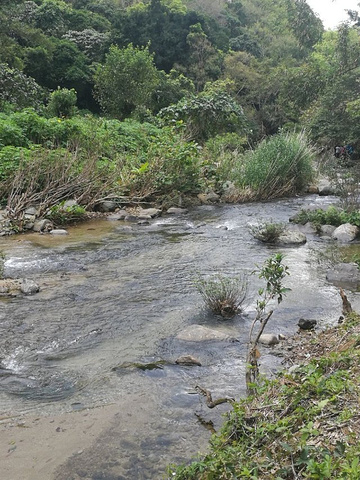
(177, 211)
(198, 333)
(307, 324)
(188, 360)
(59, 231)
(344, 274)
(29, 287)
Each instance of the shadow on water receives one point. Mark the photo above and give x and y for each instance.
(115, 294)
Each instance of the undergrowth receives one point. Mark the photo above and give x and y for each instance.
(303, 425)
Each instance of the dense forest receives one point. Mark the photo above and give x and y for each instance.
(159, 91)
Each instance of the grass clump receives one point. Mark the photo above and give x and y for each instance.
(303, 425)
(223, 295)
(267, 232)
(280, 165)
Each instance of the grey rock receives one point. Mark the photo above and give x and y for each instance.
(344, 275)
(291, 237)
(149, 212)
(177, 211)
(327, 230)
(307, 324)
(198, 333)
(106, 206)
(120, 215)
(269, 339)
(345, 233)
(210, 197)
(187, 360)
(31, 211)
(28, 287)
(59, 231)
(43, 225)
(70, 203)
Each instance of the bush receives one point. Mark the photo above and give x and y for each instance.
(168, 164)
(280, 165)
(332, 216)
(62, 103)
(267, 232)
(61, 215)
(223, 295)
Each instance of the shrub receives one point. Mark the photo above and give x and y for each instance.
(223, 295)
(61, 215)
(332, 216)
(280, 165)
(267, 232)
(62, 103)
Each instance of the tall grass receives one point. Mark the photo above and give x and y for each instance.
(280, 165)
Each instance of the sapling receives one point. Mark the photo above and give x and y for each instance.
(273, 272)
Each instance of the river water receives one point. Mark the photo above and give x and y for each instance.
(116, 293)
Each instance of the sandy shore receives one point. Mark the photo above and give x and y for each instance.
(34, 448)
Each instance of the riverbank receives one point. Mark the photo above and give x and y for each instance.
(303, 425)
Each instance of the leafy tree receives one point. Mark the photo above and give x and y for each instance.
(205, 61)
(158, 24)
(62, 103)
(18, 89)
(208, 113)
(171, 88)
(91, 42)
(126, 80)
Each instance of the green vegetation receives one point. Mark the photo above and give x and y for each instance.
(331, 216)
(268, 232)
(273, 273)
(300, 425)
(223, 295)
(61, 214)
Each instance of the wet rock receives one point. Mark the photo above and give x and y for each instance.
(327, 230)
(187, 360)
(58, 231)
(325, 187)
(210, 197)
(177, 211)
(131, 218)
(143, 222)
(345, 233)
(313, 189)
(269, 339)
(119, 215)
(43, 225)
(291, 237)
(344, 274)
(106, 206)
(28, 287)
(149, 213)
(70, 203)
(307, 324)
(198, 333)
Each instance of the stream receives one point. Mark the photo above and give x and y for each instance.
(113, 294)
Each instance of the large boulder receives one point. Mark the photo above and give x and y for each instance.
(198, 333)
(344, 275)
(345, 233)
(291, 237)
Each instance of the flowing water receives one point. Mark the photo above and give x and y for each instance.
(114, 294)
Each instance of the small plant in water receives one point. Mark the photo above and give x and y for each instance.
(268, 232)
(223, 295)
(273, 273)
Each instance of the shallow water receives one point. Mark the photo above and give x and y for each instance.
(114, 293)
